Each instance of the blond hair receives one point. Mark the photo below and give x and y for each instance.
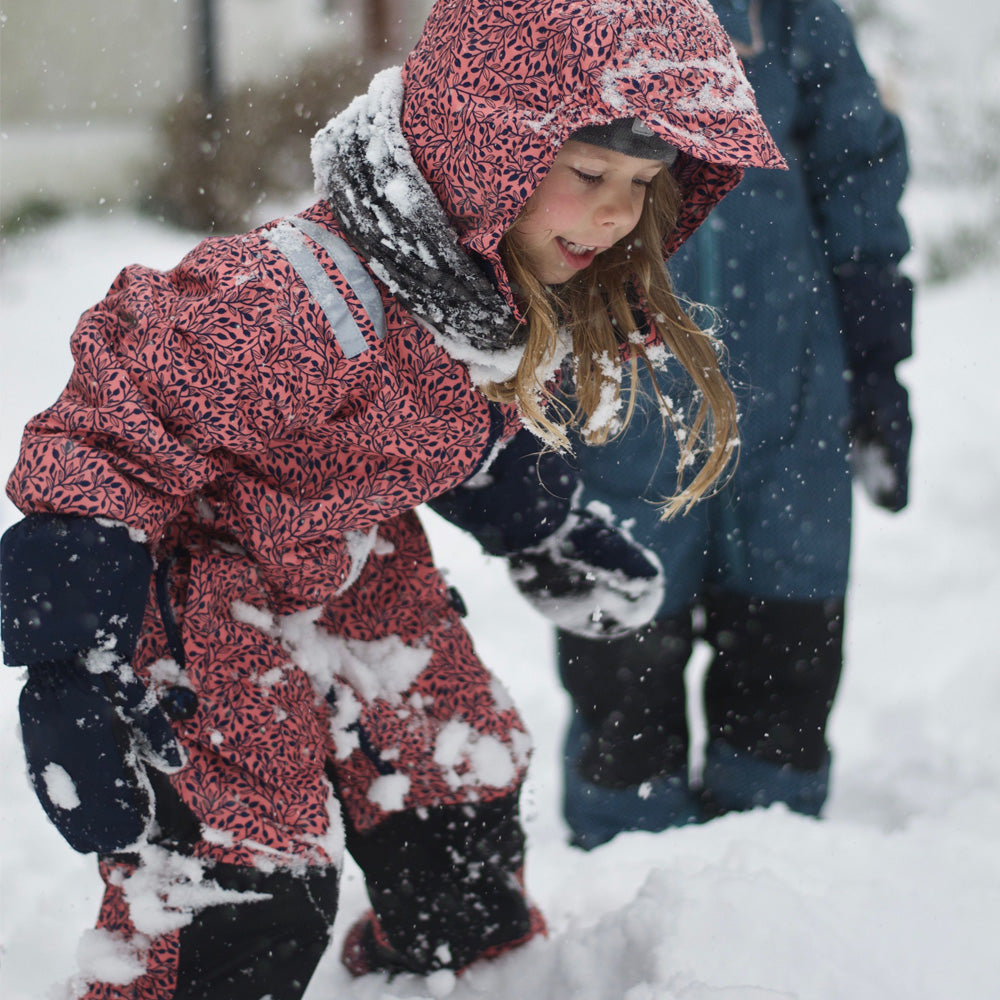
(596, 309)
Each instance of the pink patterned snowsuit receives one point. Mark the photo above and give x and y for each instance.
(270, 433)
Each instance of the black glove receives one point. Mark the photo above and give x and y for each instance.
(87, 736)
(876, 304)
(590, 577)
(519, 498)
(72, 597)
(880, 433)
(579, 570)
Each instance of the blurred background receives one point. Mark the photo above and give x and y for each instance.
(199, 112)
(196, 111)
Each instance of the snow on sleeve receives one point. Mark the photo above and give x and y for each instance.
(485, 365)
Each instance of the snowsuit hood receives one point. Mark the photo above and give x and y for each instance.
(494, 88)
(431, 167)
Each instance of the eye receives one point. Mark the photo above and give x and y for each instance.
(641, 182)
(587, 178)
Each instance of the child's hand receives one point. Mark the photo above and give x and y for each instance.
(89, 732)
(590, 577)
(880, 439)
(876, 308)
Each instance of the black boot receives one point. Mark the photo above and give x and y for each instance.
(629, 694)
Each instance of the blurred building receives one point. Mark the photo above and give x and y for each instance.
(84, 86)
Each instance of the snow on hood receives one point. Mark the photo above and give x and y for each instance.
(493, 90)
(395, 220)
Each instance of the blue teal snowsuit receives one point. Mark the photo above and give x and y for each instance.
(801, 268)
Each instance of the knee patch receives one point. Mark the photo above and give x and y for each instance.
(771, 685)
(267, 946)
(630, 698)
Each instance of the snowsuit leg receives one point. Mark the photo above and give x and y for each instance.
(233, 896)
(428, 770)
(768, 695)
(216, 931)
(443, 862)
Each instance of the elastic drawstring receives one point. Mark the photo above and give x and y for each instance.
(170, 626)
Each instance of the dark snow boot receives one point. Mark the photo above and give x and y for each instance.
(366, 949)
(625, 761)
(629, 694)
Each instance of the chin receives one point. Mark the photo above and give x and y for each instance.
(557, 275)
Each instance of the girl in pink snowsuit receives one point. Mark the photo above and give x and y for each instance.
(241, 657)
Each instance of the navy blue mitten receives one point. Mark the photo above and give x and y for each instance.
(876, 305)
(881, 430)
(521, 496)
(72, 596)
(574, 565)
(89, 729)
(590, 577)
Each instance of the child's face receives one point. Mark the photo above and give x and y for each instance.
(590, 199)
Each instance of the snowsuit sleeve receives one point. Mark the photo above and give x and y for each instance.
(855, 166)
(854, 148)
(177, 377)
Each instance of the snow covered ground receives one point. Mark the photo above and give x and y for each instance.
(895, 895)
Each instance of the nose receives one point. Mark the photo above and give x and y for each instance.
(616, 207)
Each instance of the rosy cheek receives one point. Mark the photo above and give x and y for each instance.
(559, 205)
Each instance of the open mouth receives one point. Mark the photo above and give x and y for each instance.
(577, 254)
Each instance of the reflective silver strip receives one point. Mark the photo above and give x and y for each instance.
(288, 238)
(350, 267)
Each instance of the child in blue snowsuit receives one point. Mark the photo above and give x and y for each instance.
(801, 267)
